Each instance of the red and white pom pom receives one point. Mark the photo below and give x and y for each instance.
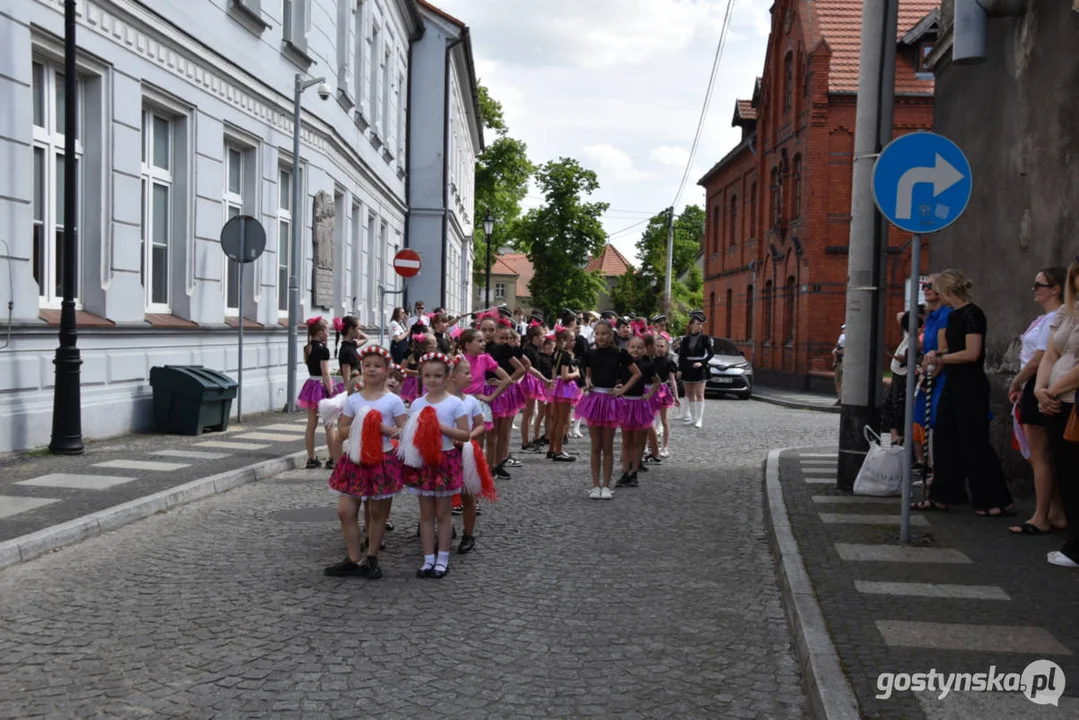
(477, 476)
(421, 440)
(356, 439)
(331, 408)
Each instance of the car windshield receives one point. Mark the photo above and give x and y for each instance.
(723, 346)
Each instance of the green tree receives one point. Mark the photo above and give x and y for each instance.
(502, 174)
(561, 235)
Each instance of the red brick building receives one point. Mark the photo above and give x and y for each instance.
(778, 205)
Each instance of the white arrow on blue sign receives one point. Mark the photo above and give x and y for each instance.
(922, 182)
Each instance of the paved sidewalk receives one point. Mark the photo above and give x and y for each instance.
(965, 597)
(38, 491)
(796, 400)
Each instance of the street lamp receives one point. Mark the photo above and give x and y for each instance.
(324, 92)
(488, 228)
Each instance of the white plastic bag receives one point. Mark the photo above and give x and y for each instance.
(883, 470)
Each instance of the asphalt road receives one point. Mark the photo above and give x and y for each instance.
(660, 603)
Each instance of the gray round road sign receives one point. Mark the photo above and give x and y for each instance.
(243, 239)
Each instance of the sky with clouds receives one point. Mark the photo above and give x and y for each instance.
(619, 85)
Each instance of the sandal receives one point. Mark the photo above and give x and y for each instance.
(1028, 529)
(1000, 512)
(438, 571)
(929, 506)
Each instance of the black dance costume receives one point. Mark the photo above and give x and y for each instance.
(695, 349)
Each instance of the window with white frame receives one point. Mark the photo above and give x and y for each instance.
(370, 273)
(359, 60)
(500, 291)
(49, 117)
(284, 235)
(373, 73)
(402, 100)
(157, 208)
(388, 109)
(234, 205)
(383, 244)
(296, 21)
(358, 283)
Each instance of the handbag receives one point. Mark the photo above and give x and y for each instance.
(883, 470)
(1071, 430)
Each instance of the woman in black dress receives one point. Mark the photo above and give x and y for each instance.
(693, 356)
(961, 433)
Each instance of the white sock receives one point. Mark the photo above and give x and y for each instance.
(428, 562)
(443, 559)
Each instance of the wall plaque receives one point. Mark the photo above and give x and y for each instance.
(322, 283)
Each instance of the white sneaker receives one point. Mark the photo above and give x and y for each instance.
(664, 453)
(595, 493)
(1061, 560)
(606, 494)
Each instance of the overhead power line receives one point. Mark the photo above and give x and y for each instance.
(707, 99)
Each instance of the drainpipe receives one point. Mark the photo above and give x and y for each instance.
(971, 18)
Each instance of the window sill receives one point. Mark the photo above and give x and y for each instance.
(234, 322)
(375, 139)
(166, 320)
(248, 18)
(82, 319)
(345, 100)
(387, 155)
(297, 55)
(401, 171)
(361, 120)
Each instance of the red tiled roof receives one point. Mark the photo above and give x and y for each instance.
(745, 110)
(439, 11)
(522, 267)
(839, 23)
(610, 262)
(500, 267)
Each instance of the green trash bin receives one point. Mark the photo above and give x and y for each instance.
(191, 398)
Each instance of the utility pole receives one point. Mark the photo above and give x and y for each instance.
(868, 239)
(670, 260)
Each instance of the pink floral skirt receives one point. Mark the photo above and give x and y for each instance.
(368, 482)
(600, 409)
(637, 413)
(443, 480)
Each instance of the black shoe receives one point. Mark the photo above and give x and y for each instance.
(389, 526)
(622, 481)
(512, 462)
(345, 568)
(424, 572)
(652, 460)
(369, 569)
(500, 472)
(543, 441)
(564, 457)
(550, 455)
(313, 464)
(479, 511)
(633, 481)
(329, 464)
(642, 468)
(457, 511)
(439, 571)
(467, 544)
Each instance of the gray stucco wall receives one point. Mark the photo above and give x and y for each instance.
(1015, 118)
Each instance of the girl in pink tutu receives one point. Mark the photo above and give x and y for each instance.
(535, 386)
(564, 396)
(319, 386)
(368, 471)
(605, 366)
(433, 471)
(667, 394)
(637, 413)
(472, 345)
(506, 405)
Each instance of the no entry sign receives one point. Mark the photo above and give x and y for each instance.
(406, 263)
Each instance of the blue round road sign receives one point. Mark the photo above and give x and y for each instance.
(922, 182)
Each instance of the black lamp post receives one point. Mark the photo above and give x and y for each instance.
(66, 400)
(488, 228)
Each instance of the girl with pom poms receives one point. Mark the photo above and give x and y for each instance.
(472, 345)
(319, 386)
(368, 471)
(433, 469)
(476, 476)
(601, 407)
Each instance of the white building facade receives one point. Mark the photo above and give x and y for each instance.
(445, 136)
(185, 120)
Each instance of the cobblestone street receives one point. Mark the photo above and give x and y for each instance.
(661, 603)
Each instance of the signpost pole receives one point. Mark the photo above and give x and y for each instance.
(912, 362)
(240, 303)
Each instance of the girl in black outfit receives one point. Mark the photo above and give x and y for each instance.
(348, 355)
(536, 386)
(604, 367)
(637, 413)
(961, 432)
(319, 386)
(667, 394)
(693, 356)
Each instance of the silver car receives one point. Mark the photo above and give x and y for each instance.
(729, 371)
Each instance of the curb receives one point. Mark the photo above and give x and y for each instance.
(796, 405)
(27, 547)
(829, 692)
